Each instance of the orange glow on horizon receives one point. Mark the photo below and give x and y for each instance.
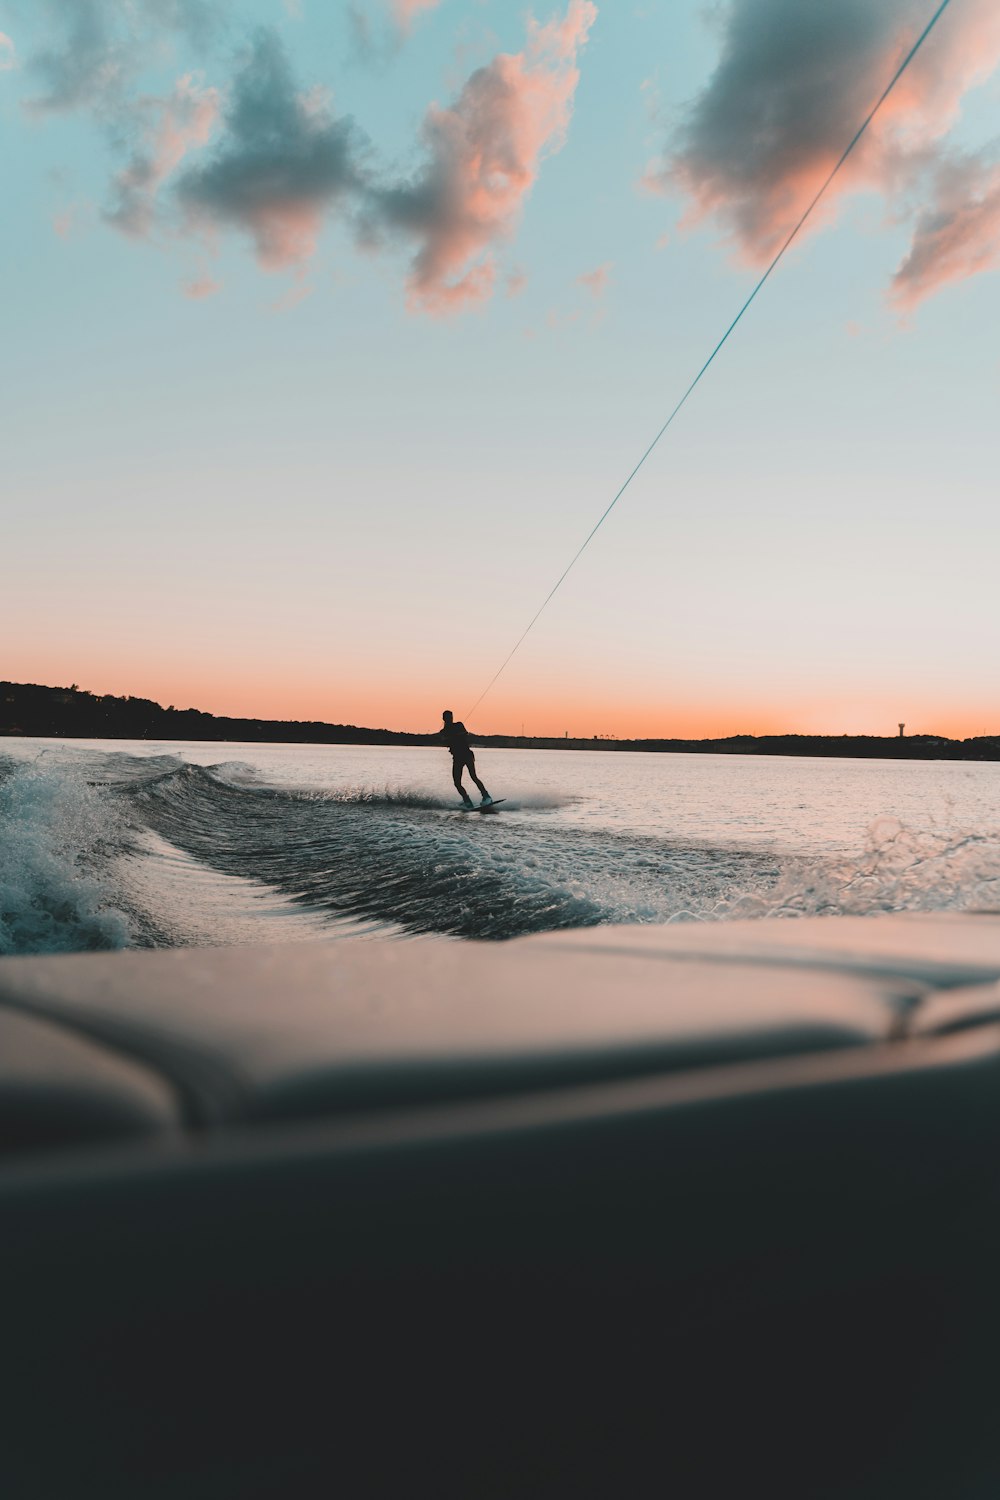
(416, 708)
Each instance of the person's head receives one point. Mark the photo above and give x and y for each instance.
(447, 715)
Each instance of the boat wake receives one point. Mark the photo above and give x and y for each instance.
(111, 850)
(57, 837)
(398, 857)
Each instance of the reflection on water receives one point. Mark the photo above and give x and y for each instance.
(112, 843)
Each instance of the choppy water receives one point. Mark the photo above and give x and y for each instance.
(111, 844)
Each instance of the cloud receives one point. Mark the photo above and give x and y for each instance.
(64, 222)
(405, 12)
(484, 155)
(792, 85)
(956, 236)
(8, 53)
(276, 162)
(178, 124)
(376, 40)
(93, 55)
(94, 49)
(297, 292)
(282, 162)
(371, 45)
(596, 281)
(200, 287)
(84, 63)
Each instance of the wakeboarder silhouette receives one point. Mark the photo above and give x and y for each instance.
(456, 737)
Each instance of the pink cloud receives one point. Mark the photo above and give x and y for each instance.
(285, 234)
(299, 290)
(792, 85)
(8, 55)
(956, 237)
(596, 281)
(63, 222)
(485, 154)
(180, 123)
(201, 287)
(283, 161)
(405, 12)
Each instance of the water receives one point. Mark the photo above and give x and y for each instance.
(118, 843)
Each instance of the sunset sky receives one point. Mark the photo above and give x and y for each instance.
(329, 330)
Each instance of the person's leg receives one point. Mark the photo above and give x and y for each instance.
(471, 763)
(456, 772)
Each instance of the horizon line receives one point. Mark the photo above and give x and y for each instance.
(564, 737)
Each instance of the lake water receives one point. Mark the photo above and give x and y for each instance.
(118, 843)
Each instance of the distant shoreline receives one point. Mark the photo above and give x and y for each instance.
(33, 711)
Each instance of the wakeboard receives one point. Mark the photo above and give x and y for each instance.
(482, 807)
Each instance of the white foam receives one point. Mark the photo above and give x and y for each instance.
(58, 832)
(900, 869)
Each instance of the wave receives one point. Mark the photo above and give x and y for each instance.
(899, 869)
(401, 857)
(76, 869)
(365, 796)
(59, 837)
(404, 858)
(403, 797)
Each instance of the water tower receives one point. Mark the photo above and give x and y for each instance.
(901, 729)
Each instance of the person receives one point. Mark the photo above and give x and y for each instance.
(456, 737)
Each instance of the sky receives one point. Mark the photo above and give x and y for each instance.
(329, 331)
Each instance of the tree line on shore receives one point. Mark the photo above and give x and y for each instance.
(72, 713)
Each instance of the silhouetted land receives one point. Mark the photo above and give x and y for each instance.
(70, 713)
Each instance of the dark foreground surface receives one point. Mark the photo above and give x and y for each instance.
(700, 1211)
